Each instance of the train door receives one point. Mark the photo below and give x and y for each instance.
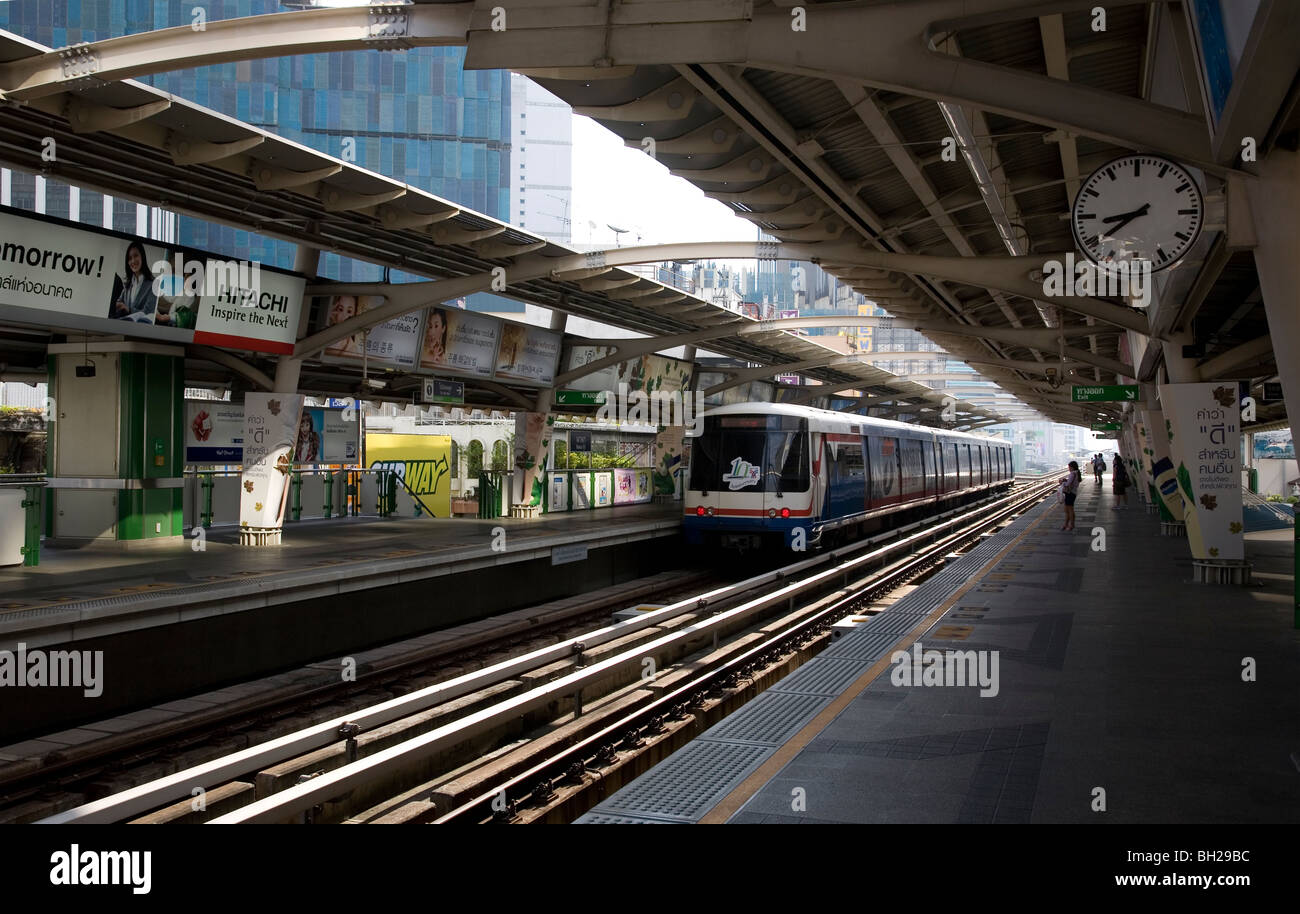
(846, 476)
(886, 488)
(912, 463)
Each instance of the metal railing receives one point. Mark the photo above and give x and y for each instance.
(31, 484)
(491, 486)
(392, 473)
(1282, 510)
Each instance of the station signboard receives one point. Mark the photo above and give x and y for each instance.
(579, 397)
(450, 393)
(1104, 393)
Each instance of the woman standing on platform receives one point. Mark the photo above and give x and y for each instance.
(1070, 485)
(1119, 484)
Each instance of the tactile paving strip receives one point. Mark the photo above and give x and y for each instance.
(693, 780)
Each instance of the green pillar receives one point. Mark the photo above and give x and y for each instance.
(151, 446)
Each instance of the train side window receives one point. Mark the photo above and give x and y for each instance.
(704, 470)
(851, 463)
(794, 470)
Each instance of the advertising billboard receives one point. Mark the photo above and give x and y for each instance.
(460, 342)
(214, 434)
(393, 344)
(63, 274)
(424, 461)
(646, 372)
(528, 354)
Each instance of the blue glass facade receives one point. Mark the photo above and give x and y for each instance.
(416, 116)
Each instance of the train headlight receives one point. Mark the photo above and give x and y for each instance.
(699, 512)
(771, 512)
(785, 512)
(710, 511)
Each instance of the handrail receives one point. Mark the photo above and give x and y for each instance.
(1280, 509)
(397, 470)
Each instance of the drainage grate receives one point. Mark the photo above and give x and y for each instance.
(597, 818)
(822, 676)
(894, 623)
(770, 721)
(688, 783)
(867, 646)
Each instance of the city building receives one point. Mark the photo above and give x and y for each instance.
(418, 117)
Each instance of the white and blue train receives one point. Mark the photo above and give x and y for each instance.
(761, 472)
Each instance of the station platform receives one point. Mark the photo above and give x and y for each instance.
(1122, 693)
(172, 621)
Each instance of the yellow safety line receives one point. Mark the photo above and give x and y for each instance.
(738, 797)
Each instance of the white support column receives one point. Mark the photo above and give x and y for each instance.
(1274, 202)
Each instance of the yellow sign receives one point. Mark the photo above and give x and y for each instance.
(427, 466)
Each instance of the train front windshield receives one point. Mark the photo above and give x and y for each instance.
(751, 454)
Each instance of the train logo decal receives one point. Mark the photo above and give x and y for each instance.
(742, 475)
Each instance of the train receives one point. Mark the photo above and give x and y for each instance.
(768, 475)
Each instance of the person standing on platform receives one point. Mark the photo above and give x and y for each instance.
(1098, 466)
(1070, 487)
(1120, 483)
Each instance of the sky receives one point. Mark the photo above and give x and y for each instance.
(618, 185)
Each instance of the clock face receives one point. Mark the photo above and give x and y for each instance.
(1138, 208)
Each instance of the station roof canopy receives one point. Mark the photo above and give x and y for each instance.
(956, 131)
(134, 141)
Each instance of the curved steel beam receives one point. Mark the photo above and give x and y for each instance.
(1007, 274)
(887, 46)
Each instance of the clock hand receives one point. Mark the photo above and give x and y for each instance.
(1126, 219)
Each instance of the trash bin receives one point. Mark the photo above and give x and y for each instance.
(13, 525)
(1254, 480)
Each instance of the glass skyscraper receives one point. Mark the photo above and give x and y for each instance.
(416, 116)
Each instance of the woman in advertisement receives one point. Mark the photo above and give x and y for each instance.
(343, 307)
(435, 339)
(133, 295)
(308, 449)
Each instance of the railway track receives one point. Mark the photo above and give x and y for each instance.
(395, 669)
(469, 749)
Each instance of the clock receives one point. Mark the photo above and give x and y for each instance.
(1138, 208)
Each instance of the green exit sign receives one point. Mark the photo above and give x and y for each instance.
(1104, 393)
(579, 397)
(1105, 426)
